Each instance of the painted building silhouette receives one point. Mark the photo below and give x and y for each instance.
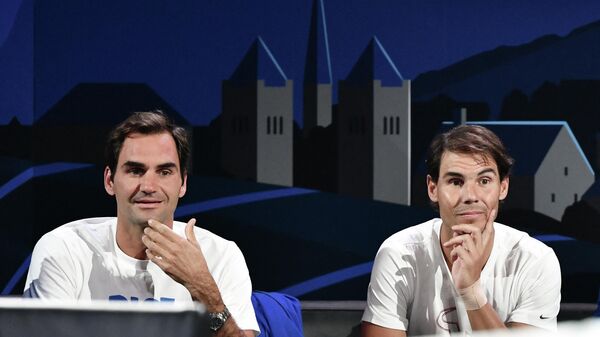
(257, 119)
(374, 129)
(317, 72)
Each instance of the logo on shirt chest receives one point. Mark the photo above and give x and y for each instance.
(447, 320)
(136, 299)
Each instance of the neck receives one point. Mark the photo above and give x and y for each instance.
(129, 240)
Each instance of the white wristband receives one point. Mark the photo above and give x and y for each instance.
(473, 296)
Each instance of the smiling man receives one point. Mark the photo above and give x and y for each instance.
(143, 254)
(463, 272)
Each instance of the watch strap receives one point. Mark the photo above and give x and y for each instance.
(218, 319)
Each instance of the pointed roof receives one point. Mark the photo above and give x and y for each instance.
(106, 104)
(259, 64)
(318, 62)
(375, 64)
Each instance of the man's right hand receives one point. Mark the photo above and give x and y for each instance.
(183, 260)
(471, 251)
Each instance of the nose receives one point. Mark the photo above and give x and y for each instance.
(147, 183)
(469, 193)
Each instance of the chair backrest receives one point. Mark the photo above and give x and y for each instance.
(277, 314)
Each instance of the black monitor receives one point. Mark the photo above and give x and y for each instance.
(35, 318)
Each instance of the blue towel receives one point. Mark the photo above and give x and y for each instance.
(277, 314)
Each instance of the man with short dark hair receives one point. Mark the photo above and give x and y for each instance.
(143, 254)
(463, 272)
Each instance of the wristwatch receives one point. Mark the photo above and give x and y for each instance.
(218, 319)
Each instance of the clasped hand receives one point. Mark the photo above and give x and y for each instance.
(471, 249)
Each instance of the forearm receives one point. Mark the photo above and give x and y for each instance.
(485, 318)
(206, 292)
(211, 298)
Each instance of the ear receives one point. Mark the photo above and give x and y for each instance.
(108, 183)
(183, 187)
(432, 189)
(504, 188)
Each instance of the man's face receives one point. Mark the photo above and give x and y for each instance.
(147, 180)
(467, 190)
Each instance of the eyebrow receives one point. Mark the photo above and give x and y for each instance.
(453, 174)
(460, 175)
(487, 170)
(136, 164)
(168, 165)
(133, 164)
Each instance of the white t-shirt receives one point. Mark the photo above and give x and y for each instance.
(411, 287)
(81, 260)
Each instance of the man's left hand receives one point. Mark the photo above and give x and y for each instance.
(182, 259)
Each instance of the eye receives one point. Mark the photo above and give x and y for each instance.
(136, 171)
(485, 181)
(455, 182)
(165, 172)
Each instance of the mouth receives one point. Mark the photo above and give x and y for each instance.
(147, 203)
(470, 215)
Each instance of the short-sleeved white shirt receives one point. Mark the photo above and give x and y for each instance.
(411, 287)
(81, 260)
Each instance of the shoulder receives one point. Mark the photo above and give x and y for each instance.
(418, 235)
(518, 247)
(412, 241)
(69, 246)
(79, 231)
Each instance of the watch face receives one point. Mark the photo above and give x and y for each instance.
(217, 319)
(215, 323)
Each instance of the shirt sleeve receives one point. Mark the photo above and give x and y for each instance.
(539, 297)
(236, 290)
(49, 271)
(390, 290)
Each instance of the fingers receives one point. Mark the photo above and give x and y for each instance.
(156, 258)
(466, 229)
(488, 231)
(460, 252)
(469, 233)
(158, 238)
(163, 243)
(189, 231)
(162, 229)
(153, 246)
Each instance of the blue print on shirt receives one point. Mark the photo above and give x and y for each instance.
(135, 299)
